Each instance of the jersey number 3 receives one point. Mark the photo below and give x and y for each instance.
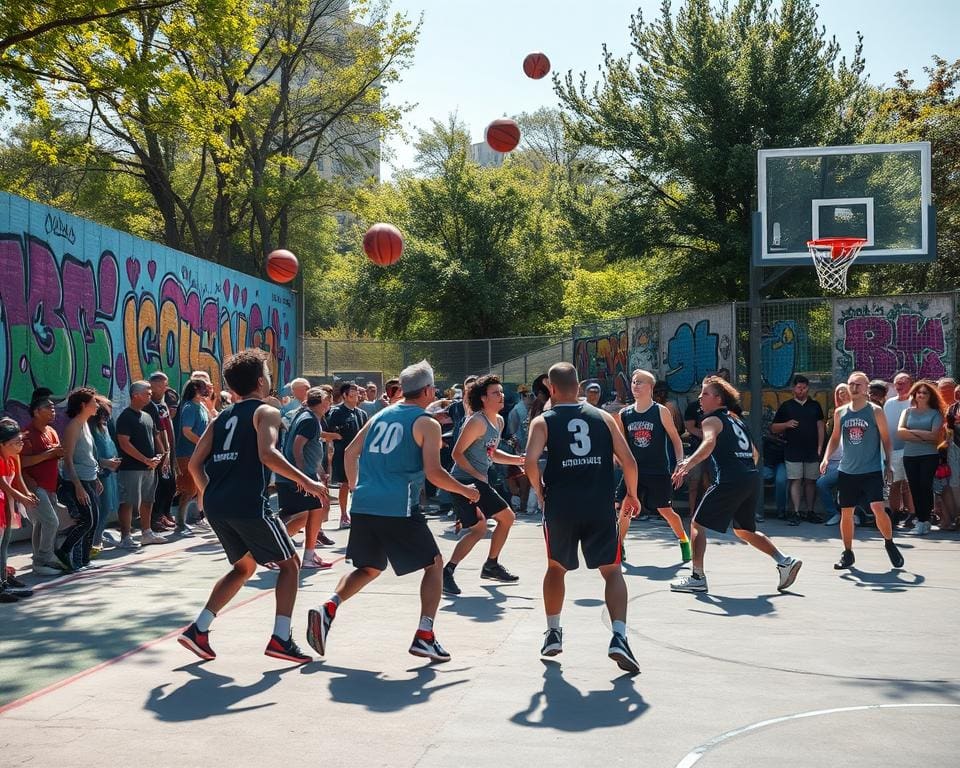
(581, 437)
(385, 437)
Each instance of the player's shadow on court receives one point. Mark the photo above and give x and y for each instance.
(886, 581)
(761, 605)
(485, 608)
(652, 572)
(369, 689)
(563, 707)
(207, 695)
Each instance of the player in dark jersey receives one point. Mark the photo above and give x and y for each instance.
(733, 495)
(231, 466)
(576, 494)
(649, 430)
(395, 450)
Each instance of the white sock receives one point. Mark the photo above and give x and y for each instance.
(619, 628)
(780, 557)
(553, 622)
(309, 554)
(335, 599)
(205, 619)
(426, 624)
(281, 627)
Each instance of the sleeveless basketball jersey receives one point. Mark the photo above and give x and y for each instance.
(480, 452)
(390, 462)
(579, 472)
(648, 439)
(733, 452)
(238, 479)
(861, 441)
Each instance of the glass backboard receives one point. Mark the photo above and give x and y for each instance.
(878, 192)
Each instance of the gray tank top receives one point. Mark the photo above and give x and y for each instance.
(861, 441)
(84, 457)
(480, 452)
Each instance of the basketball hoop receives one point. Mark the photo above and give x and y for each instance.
(832, 257)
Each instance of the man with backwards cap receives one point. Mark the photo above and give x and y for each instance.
(394, 450)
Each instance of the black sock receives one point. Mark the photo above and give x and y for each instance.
(491, 561)
(450, 567)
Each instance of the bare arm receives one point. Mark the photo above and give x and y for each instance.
(881, 419)
(623, 454)
(536, 442)
(298, 444)
(672, 435)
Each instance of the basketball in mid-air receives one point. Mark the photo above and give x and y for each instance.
(536, 65)
(282, 266)
(383, 244)
(503, 135)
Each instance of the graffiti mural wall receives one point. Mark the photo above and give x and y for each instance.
(82, 304)
(696, 344)
(882, 336)
(603, 358)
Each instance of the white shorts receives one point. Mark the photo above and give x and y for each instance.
(896, 462)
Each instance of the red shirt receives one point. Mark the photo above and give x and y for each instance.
(8, 512)
(34, 442)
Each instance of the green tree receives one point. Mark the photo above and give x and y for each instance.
(681, 119)
(480, 258)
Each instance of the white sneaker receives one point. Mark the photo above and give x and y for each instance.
(788, 571)
(834, 520)
(149, 537)
(128, 542)
(111, 537)
(690, 583)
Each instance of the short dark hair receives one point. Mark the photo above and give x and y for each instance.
(346, 387)
(800, 379)
(563, 377)
(878, 384)
(79, 398)
(244, 369)
(478, 389)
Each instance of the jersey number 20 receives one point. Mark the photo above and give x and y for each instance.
(385, 437)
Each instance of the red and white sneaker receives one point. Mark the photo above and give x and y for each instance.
(199, 642)
(316, 563)
(288, 650)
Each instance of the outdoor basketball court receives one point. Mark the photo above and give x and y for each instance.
(858, 668)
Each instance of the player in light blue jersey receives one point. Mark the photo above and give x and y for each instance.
(395, 450)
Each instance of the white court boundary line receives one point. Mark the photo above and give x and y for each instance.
(693, 757)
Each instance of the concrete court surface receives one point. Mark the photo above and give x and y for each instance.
(854, 668)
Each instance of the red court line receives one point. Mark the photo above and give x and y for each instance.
(126, 654)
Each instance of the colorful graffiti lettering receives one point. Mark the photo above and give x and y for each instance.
(885, 338)
(692, 354)
(63, 325)
(604, 358)
(645, 346)
(778, 356)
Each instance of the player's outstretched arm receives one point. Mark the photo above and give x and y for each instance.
(672, 434)
(429, 436)
(536, 442)
(267, 422)
(711, 426)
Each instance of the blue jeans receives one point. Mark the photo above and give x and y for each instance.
(827, 489)
(779, 477)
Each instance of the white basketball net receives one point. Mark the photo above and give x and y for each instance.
(832, 258)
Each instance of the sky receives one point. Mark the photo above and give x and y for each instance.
(470, 52)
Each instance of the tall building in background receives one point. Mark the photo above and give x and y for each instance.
(483, 155)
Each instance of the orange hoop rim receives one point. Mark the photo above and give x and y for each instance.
(839, 246)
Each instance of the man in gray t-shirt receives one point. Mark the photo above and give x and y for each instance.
(864, 471)
(900, 497)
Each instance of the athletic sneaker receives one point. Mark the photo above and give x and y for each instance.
(47, 570)
(149, 537)
(896, 559)
(685, 552)
(833, 520)
(10, 588)
(111, 537)
(788, 571)
(344, 523)
(288, 650)
(323, 540)
(199, 642)
(794, 519)
(426, 645)
(449, 583)
(128, 542)
(315, 562)
(552, 643)
(13, 581)
(846, 560)
(183, 529)
(689, 583)
(620, 652)
(318, 626)
(497, 572)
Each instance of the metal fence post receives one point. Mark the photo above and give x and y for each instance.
(326, 357)
(489, 354)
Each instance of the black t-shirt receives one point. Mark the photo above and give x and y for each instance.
(347, 422)
(733, 452)
(140, 428)
(801, 441)
(160, 414)
(693, 412)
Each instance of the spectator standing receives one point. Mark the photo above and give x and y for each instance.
(192, 419)
(372, 402)
(953, 448)
(108, 457)
(80, 487)
(698, 475)
(593, 392)
(827, 482)
(136, 480)
(775, 471)
(346, 420)
(518, 420)
(40, 458)
(921, 427)
(661, 394)
(948, 391)
(298, 396)
(166, 472)
(893, 408)
(800, 422)
(13, 491)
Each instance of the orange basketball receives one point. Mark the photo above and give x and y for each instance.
(383, 244)
(536, 65)
(282, 266)
(503, 135)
